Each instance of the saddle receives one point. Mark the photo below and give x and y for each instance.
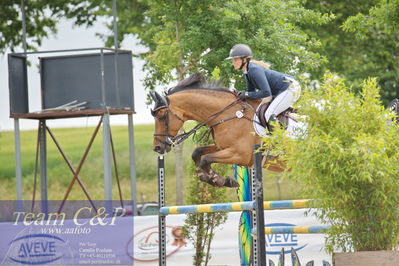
(282, 118)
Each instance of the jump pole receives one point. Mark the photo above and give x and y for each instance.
(257, 205)
(234, 206)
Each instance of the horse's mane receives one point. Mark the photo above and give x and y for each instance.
(197, 81)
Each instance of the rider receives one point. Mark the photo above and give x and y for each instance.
(264, 83)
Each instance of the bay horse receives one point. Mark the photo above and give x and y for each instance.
(229, 119)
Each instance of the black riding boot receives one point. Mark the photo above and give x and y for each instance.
(271, 123)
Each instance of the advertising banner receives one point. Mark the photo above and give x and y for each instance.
(224, 248)
(85, 235)
(79, 234)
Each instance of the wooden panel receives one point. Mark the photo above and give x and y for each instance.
(71, 114)
(367, 258)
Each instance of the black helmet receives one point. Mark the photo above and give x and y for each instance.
(240, 50)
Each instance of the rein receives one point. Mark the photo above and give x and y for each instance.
(175, 140)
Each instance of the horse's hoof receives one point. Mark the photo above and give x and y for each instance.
(230, 182)
(213, 183)
(219, 181)
(203, 177)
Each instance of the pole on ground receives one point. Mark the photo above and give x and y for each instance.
(260, 218)
(161, 218)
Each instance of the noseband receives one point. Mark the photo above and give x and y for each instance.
(169, 139)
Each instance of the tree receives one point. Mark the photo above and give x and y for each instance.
(378, 29)
(361, 41)
(187, 36)
(200, 228)
(41, 19)
(384, 16)
(347, 161)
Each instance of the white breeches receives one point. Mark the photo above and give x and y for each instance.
(284, 100)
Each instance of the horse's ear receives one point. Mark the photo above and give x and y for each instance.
(161, 100)
(153, 96)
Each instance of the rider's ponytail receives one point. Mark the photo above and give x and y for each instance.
(261, 63)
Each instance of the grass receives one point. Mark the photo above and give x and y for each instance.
(74, 141)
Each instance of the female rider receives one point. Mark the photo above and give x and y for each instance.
(264, 83)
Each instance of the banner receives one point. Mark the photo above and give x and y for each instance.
(80, 234)
(87, 237)
(224, 247)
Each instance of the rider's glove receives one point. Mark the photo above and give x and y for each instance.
(242, 95)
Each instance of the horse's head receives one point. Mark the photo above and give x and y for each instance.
(167, 123)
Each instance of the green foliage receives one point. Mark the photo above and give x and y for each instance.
(347, 160)
(361, 41)
(184, 36)
(376, 31)
(358, 38)
(200, 227)
(187, 36)
(42, 17)
(384, 16)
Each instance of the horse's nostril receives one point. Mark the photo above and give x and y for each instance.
(157, 148)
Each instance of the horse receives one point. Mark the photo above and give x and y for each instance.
(229, 119)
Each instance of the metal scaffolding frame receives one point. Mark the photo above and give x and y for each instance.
(105, 118)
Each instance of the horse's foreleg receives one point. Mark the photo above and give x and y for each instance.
(196, 156)
(226, 156)
(199, 151)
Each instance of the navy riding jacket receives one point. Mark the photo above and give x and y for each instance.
(263, 82)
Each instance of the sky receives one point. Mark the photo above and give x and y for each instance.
(71, 37)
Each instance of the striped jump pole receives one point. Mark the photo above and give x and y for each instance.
(298, 229)
(207, 208)
(234, 207)
(286, 204)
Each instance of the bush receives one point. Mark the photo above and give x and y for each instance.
(348, 160)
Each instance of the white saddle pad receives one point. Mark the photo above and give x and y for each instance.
(261, 131)
(294, 130)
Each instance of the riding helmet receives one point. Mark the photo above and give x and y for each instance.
(240, 50)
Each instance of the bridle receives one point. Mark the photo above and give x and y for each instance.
(169, 139)
(175, 140)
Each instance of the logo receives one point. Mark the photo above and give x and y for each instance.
(35, 249)
(274, 242)
(145, 243)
